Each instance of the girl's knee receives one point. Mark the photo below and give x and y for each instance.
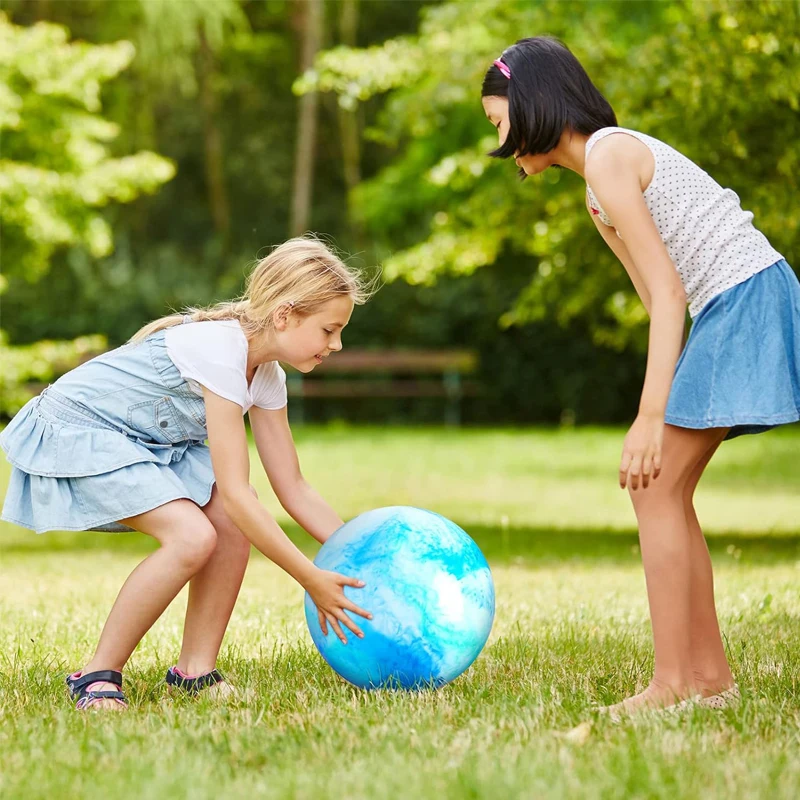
(195, 545)
(227, 532)
(663, 489)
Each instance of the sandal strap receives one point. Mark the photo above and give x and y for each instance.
(195, 684)
(89, 697)
(78, 685)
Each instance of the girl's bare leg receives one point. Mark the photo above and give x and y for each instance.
(187, 540)
(667, 554)
(710, 667)
(212, 595)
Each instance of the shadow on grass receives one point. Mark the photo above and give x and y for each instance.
(529, 546)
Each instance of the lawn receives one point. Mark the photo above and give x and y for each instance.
(571, 630)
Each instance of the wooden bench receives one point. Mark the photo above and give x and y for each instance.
(388, 369)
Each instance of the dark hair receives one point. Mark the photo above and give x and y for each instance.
(548, 92)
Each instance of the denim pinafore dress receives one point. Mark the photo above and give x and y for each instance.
(117, 436)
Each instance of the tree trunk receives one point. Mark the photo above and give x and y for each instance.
(311, 31)
(348, 118)
(349, 125)
(212, 140)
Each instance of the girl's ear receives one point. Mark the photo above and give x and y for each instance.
(281, 316)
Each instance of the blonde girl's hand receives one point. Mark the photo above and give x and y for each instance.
(641, 452)
(326, 589)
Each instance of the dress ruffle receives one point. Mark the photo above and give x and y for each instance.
(80, 504)
(78, 473)
(40, 446)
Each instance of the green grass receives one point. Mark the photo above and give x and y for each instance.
(571, 630)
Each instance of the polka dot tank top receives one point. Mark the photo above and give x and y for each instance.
(709, 238)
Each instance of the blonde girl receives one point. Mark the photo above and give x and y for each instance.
(119, 443)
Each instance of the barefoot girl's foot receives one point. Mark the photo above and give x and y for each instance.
(654, 698)
(725, 699)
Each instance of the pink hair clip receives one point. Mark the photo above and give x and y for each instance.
(503, 68)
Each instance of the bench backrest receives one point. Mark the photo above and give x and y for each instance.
(401, 361)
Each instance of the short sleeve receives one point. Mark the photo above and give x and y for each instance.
(212, 354)
(269, 386)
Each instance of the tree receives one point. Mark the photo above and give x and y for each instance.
(179, 42)
(56, 169)
(57, 173)
(310, 24)
(718, 80)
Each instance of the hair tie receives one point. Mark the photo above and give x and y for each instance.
(503, 68)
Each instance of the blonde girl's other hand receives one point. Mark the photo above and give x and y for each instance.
(641, 452)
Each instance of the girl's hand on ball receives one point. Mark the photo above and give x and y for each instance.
(327, 591)
(641, 453)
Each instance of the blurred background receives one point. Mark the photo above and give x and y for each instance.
(152, 149)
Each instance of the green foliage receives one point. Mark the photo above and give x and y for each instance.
(56, 175)
(169, 35)
(472, 245)
(27, 368)
(56, 169)
(718, 80)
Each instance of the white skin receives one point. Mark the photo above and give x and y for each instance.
(209, 547)
(661, 464)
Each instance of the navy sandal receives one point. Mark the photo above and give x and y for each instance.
(79, 688)
(193, 685)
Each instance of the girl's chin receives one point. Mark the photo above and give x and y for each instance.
(302, 366)
(309, 365)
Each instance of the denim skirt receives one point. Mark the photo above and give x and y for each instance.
(740, 368)
(118, 436)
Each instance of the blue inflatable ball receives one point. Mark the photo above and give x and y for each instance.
(430, 592)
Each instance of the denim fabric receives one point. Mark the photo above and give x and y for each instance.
(740, 368)
(118, 436)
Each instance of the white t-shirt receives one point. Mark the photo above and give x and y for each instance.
(214, 354)
(708, 236)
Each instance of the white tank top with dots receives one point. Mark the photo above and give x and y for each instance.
(708, 236)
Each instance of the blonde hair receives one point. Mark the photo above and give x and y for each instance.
(302, 272)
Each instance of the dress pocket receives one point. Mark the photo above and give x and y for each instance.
(158, 420)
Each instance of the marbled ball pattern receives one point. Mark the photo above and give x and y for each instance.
(430, 592)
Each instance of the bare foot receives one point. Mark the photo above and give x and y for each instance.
(711, 688)
(655, 697)
(727, 698)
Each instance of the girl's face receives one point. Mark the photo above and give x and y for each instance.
(303, 341)
(496, 109)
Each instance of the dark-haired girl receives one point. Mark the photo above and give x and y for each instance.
(683, 239)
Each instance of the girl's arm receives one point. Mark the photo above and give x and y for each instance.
(227, 440)
(621, 252)
(278, 455)
(614, 174)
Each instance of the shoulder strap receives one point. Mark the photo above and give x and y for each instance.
(598, 135)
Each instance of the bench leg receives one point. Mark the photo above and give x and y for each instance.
(452, 386)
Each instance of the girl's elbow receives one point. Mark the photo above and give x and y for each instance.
(235, 499)
(672, 298)
(290, 494)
